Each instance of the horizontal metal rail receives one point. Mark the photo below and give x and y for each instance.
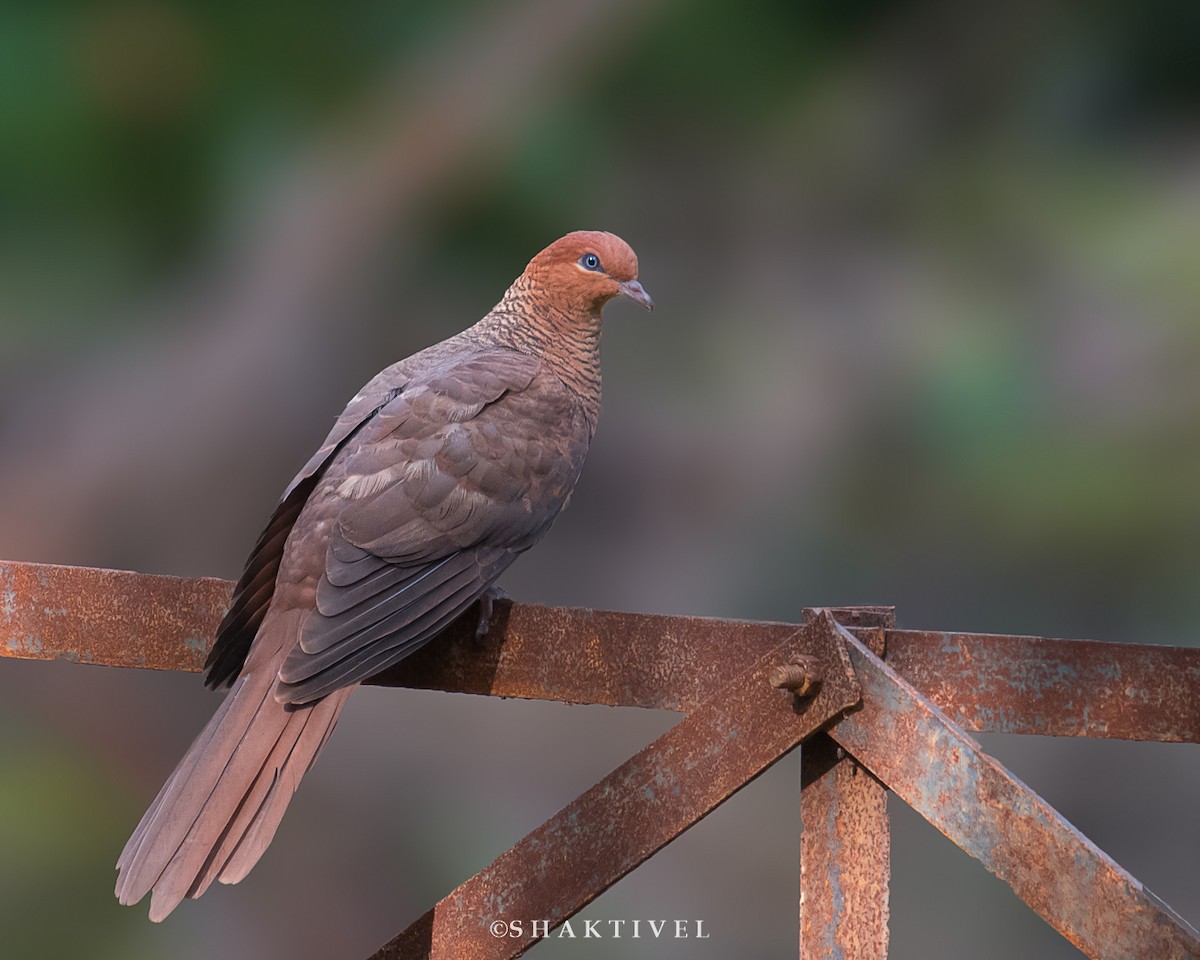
(984, 682)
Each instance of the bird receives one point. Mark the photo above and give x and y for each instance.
(439, 473)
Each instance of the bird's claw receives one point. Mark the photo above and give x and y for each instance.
(487, 601)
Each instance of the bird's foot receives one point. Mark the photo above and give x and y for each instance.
(487, 601)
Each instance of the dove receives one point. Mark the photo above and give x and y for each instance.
(440, 472)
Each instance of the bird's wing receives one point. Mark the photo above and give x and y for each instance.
(449, 482)
(256, 586)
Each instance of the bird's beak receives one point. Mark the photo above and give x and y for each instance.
(637, 293)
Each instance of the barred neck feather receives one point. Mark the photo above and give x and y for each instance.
(565, 335)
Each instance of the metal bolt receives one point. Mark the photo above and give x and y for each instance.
(801, 676)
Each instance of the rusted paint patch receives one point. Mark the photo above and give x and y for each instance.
(904, 739)
(1062, 688)
(727, 741)
(112, 617)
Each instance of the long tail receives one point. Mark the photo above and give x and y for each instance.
(219, 810)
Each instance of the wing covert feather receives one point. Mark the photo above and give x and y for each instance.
(439, 472)
(433, 498)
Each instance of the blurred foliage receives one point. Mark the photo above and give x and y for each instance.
(127, 124)
(50, 849)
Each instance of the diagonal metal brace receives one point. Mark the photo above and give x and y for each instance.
(943, 773)
(724, 743)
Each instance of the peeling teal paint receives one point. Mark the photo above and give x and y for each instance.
(30, 644)
(833, 949)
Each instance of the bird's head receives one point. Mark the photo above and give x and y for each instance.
(586, 269)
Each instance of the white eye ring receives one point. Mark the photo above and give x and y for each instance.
(589, 261)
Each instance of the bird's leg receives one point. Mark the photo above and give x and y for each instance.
(487, 600)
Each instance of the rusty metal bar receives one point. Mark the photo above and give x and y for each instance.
(927, 760)
(1062, 688)
(599, 656)
(723, 744)
(845, 849)
(845, 856)
(110, 617)
(986, 682)
(124, 619)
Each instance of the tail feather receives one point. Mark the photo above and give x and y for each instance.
(219, 810)
(146, 855)
(193, 836)
(259, 832)
(249, 809)
(256, 819)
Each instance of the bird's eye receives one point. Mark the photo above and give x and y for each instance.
(589, 261)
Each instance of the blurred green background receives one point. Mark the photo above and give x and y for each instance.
(928, 333)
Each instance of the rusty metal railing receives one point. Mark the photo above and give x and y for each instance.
(887, 709)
